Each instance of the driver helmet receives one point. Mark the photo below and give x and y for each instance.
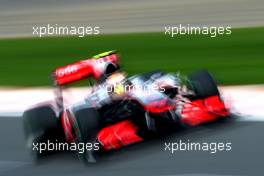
(116, 82)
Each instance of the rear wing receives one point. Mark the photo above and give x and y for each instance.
(97, 67)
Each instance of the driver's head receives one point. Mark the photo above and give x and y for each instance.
(116, 81)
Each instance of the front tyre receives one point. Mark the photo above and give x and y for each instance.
(203, 84)
(87, 124)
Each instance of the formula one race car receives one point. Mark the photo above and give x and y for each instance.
(120, 110)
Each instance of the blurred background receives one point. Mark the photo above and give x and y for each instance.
(122, 16)
(136, 28)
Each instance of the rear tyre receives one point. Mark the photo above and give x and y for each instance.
(203, 84)
(40, 124)
(87, 125)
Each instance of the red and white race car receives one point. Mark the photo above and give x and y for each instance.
(122, 110)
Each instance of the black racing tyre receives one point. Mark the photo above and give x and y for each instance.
(88, 125)
(40, 124)
(203, 84)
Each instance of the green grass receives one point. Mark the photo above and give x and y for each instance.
(234, 59)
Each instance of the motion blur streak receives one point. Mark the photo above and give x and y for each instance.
(116, 16)
(244, 100)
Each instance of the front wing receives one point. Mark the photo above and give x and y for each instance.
(193, 113)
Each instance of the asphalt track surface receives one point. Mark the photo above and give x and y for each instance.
(148, 158)
(17, 17)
